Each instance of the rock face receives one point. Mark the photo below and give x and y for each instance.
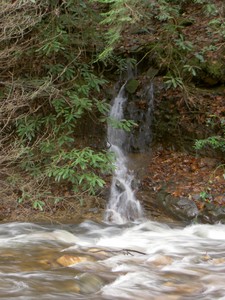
(185, 209)
(212, 214)
(179, 208)
(139, 108)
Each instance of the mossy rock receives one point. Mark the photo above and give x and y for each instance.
(186, 22)
(132, 86)
(216, 69)
(152, 72)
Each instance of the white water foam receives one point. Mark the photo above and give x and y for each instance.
(123, 205)
(149, 261)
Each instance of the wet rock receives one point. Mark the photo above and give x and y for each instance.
(139, 108)
(45, 263)
(70, 286)
(186, 207)
(183, 289)
(152, 72)
(217, 261)
(63, 286)
(161, 260)
(132, 86)
(90, 283)
(100, 253)
(205, 257)
(212, 214)
(168, 297)
(179, 208)
(119, 185)
(70, 260)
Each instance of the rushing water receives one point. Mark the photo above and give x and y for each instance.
(116, 260)
(149, 260)
(123, 205)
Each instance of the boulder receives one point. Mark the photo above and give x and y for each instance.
(180, 208)
(132, 86)
(70, 260)
(212, 214)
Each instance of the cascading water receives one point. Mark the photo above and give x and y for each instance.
(123, 205)
(146, 261)
(99, 261)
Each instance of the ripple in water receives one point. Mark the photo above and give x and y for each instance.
(149, 260)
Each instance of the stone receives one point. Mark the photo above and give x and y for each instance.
(212, 214)
(188, 207)
(100, 253)
(181, 208)
(140, 110)
(119, 185)
(70, 260)
(161, 260)
(132, 86)
(90, 283)
(217, 261)
(184, 289)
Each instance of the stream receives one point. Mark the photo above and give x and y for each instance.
(145, 260)
(125, 257)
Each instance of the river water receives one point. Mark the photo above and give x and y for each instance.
(143, 260)
(125, 257)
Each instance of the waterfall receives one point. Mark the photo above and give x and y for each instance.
(123, 205)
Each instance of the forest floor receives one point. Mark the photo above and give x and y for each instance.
(200, 179)
(184, 175)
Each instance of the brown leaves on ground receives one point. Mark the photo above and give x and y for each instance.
(185, 175)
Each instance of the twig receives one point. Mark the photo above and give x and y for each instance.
(123, 251)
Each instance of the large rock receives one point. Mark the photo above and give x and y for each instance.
(139, 108)
(132, 86)
(212, 214)
(178, 208)
(70, 260)
(90, 283)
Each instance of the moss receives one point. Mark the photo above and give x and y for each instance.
(216, 69)
(132, 86)
(186, 22)
(209, 73)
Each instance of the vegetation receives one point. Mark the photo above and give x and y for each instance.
(180, 58)
(216, 141)
(55, 58)
(50, 87)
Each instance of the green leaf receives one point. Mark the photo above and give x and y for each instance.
(20, 200)
(200, 57)
(38, 204)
